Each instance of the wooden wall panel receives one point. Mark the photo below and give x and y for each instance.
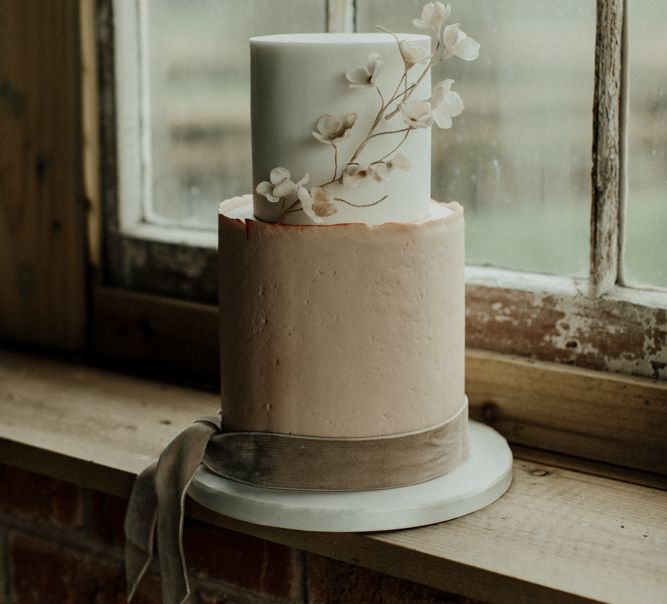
(588, 414)
(42, 252)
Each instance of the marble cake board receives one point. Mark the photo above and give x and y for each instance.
(481, 479)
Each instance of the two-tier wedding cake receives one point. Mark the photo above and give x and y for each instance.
(341, 281)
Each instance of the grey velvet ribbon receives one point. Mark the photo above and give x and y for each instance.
(157, 502)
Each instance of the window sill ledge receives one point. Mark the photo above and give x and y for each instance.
(557, 535)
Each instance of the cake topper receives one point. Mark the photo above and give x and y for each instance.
(443, 105)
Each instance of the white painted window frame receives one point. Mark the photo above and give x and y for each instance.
(135, 179)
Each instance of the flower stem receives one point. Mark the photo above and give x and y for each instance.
(361, 205)
(408, 93)
(407, 132)
(399, 95)
(374, 125)
(335, 162)
(284, 213)
(404, 77)
(393, 96)
(391, 132)
(382, 105)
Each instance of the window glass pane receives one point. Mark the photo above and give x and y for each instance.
(198, 70)
(646, 212)
(519, 157)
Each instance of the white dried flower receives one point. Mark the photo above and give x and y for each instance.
(414, 53)
(399, 161)
(323, 202)
(307, 204)
(381, 171)
(434, 14)
(417, 114)
(317, 204)
(458, 43)
(332, 129)
(445, 104)
(354, 173)
(365, 76)
(280, 185)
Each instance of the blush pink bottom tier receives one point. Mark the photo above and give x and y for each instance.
(345, 330)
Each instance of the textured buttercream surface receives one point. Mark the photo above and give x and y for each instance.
(342, 330)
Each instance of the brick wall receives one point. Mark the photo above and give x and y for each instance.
(61, 544)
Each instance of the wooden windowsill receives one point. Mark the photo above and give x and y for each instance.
(557, 535)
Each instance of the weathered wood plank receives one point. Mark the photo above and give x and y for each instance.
(42, 249)
(606, 171)
(556, 536)
(585, 413)
(590, 466)
(624, 331)
(158, 333)
(107, 418)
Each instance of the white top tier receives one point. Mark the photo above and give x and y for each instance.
(297, 78)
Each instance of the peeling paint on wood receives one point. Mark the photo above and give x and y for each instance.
(608, 333)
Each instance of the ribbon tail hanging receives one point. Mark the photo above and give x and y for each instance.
(156, 510)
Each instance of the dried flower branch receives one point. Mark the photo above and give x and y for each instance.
(444, 104)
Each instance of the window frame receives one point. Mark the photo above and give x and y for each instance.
(598, 323)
